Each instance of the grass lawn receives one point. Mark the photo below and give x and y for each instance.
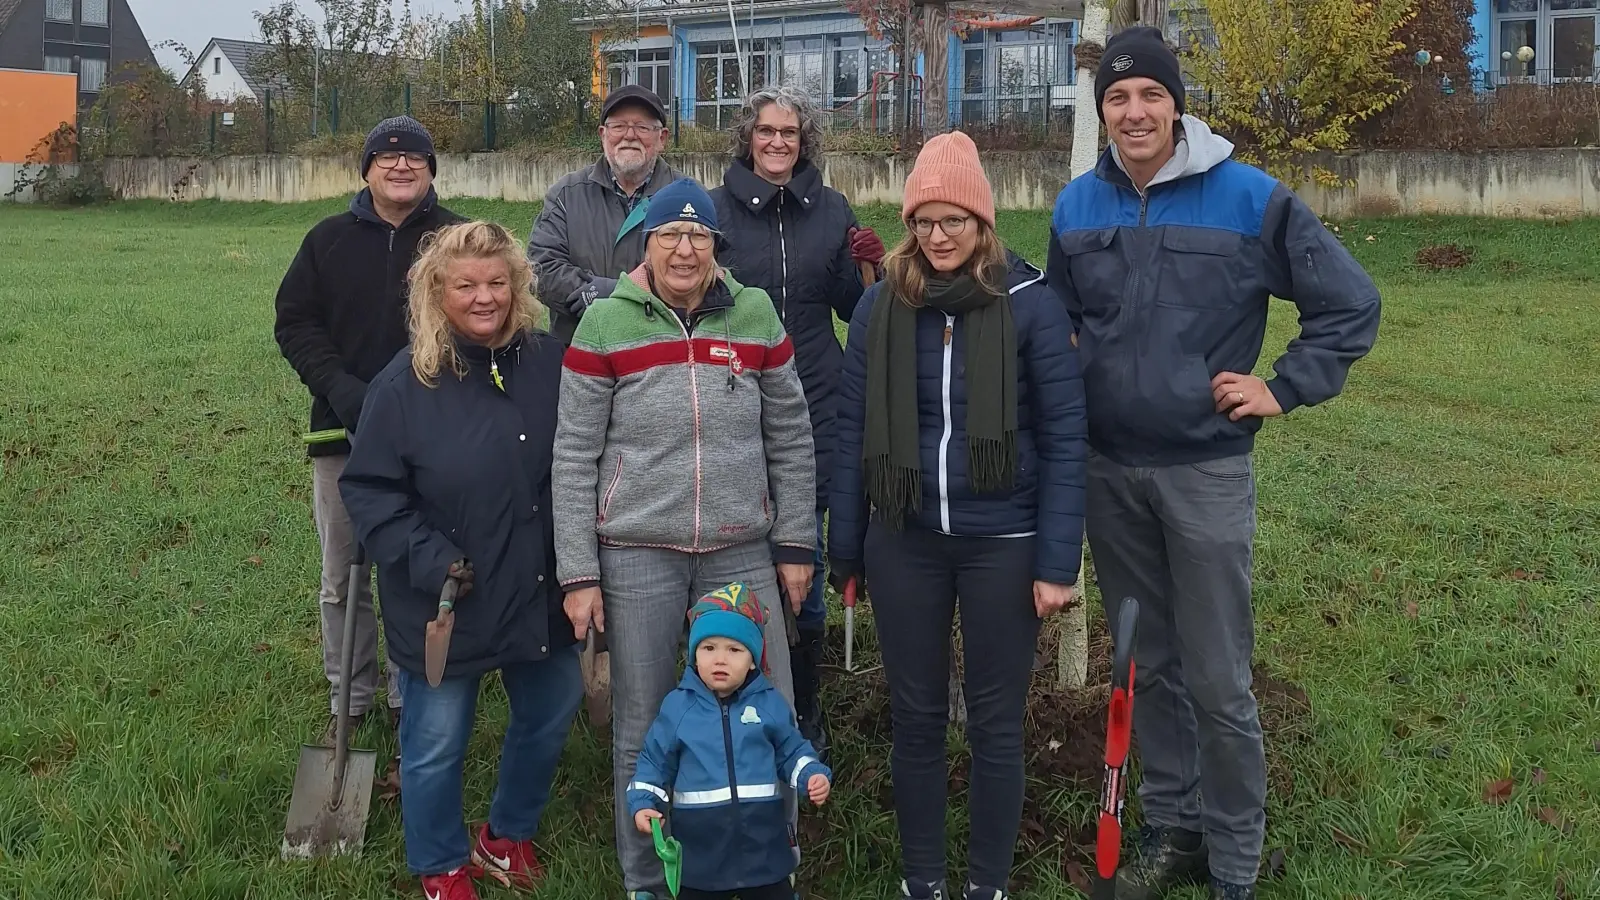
(1427, 572)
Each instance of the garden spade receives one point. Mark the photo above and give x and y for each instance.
(1119, 735)
(436, 640)
(595, 664)
(850, 625)
(671, 853)
(333, 786)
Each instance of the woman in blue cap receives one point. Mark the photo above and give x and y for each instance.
(683, 462)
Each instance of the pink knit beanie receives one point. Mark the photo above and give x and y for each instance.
(948, 171)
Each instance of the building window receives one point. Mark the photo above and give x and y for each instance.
(95, 12)
(718, 89)
(58, 64)
(651, 69)
(216, 66)
(58, 10)
(802, 67)
(1561, 34)
(91, 74)
(1013, 73)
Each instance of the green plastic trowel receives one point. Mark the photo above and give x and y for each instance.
(671, 853)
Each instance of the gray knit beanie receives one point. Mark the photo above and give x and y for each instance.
(403, 134)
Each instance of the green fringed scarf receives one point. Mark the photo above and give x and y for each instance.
(892, 453)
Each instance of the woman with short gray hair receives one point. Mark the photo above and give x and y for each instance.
(798, 240)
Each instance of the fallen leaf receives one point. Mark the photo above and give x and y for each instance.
(154, 692)
(1371, 238)
(1550, 816)
(254, 560)
(262, 647)
(1525, 575)
(1498, 792)
(1346, 841)
(1078, 877)
(1054, 745)
(1561, 887)
(1412, 609)
(1275, 864)
(1538, 776)
(175, 848)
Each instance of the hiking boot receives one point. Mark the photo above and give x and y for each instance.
(1222, 890)
(455, 884)
(805, 661)
(330, 735)
(974, 892)
(1165, 858)
(512, 863)
(922, 890)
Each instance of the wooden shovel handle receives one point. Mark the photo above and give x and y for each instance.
(869, 273)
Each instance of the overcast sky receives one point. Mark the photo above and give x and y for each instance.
(193, 22)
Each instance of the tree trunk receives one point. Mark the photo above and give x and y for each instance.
(936, 75)
(1154, 13)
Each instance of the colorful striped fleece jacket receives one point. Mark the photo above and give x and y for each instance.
(684, 432)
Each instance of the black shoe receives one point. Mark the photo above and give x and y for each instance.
(974, 892)
(922, 890)
(1222, 890)
(805, 660)
(330, 735)
(1166, 858)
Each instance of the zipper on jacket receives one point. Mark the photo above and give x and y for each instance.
(391, 239)
(727, 743)
(783, 257)
(694, 406)
(944, 441)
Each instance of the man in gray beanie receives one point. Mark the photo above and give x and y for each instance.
(1166, 256)
(341, 316)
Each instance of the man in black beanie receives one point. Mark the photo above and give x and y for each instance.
(1166, 256)
(341, 316)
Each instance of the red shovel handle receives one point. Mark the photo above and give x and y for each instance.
(1119, 737)
(850, 593)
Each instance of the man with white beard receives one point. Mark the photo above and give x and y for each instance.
(588, 231)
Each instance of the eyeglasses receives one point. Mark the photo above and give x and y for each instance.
(767, 133)
(388, 159)
(950, 225)
(642, 129)
(669, 240)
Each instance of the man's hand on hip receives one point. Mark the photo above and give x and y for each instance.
(1245, 395)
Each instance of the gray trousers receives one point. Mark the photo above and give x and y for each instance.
(338, 548)
(647, 593)
(1178, 539)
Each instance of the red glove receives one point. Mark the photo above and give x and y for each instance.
(866, 246)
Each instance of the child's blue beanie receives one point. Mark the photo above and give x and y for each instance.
(731, 612)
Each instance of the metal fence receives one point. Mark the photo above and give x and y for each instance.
(1534, 108)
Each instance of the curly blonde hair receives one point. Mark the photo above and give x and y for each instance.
(433, 347)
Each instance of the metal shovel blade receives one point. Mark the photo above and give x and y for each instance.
(327, 817)
(436, 639)
(595, 664)
(850, 625)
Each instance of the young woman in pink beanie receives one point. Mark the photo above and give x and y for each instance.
(959, 474)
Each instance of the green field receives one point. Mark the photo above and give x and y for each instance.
(1427, 570)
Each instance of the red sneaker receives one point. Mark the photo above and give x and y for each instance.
(512, 863)
(455, 884)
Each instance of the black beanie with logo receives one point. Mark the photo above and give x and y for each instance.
(1138, 52)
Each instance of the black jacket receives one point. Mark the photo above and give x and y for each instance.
(794, 243)
(585, 236)
(462, 469)
(1048, 499)
(342, 306)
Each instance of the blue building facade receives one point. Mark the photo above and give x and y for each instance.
(703, 65)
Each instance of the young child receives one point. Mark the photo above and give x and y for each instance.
(724, 723)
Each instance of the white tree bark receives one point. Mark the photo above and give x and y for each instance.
(1072, 627)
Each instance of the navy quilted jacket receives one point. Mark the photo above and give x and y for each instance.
(1047, 500)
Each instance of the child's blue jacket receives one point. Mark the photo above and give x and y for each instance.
(696, 751)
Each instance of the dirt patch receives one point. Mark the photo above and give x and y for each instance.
(1438, 257)
(1063, 745)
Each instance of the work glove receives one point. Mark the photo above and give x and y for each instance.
(581, 299)
(866, 246)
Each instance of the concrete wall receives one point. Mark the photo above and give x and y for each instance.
(1513, 183)
(8, 180)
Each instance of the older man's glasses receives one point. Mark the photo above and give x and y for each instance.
(950, 225)
(388, 159)
(669, 240)
(639, 129)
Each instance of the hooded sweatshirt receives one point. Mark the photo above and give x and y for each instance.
(681, 431)
(1168, 287)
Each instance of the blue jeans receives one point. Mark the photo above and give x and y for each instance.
(434, 733)
(815, 610)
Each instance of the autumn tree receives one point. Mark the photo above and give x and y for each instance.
(358, 50)
(1288, 79)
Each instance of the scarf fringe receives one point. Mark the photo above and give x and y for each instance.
(894, 489)
(992, 464)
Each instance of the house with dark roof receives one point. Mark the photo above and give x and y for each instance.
(234, 70)
(94, 39)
